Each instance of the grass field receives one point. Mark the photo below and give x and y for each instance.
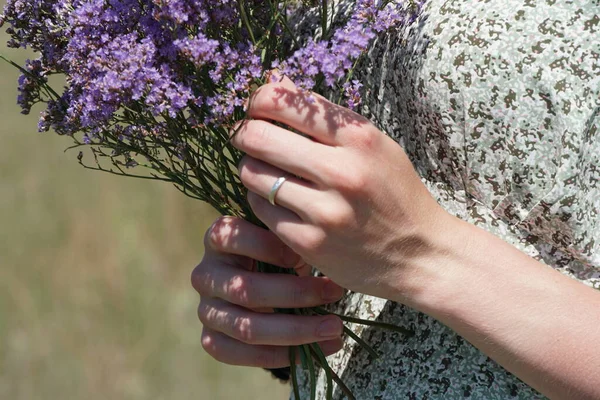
(95, 300)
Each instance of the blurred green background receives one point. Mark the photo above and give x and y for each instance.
(95, 299)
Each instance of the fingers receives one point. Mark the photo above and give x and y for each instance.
(219, 275)
(230, 235)
(260, 328)
(295, 194)
(283, 148)
(257, 290)
(305, 237)
(237, 327)
(230, 351)
(320, 118)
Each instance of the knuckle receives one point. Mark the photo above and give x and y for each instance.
(365, 138)
(219, 234)
(350, 179)
(209, 344)
(242, 164)
(254, 135)
(243, 331)
(203, 314)
(353, 181)
(239, 291)
(266, 99)
(370, 138)
(313, 243)
(331, 173)
(243, 168)
(198, 279)
(335, 218)
(248, 169)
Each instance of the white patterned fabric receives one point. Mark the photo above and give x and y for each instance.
(497, 104)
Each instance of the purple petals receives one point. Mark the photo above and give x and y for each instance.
(172, 58)
(335, 58)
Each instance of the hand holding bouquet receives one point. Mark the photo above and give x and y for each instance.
(159, 87)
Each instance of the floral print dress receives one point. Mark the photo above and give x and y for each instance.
(497, 104)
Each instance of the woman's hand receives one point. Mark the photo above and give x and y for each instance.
(352, 205)
(236, 302)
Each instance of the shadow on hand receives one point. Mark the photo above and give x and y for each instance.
(313, 107)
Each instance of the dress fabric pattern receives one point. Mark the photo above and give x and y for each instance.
(497, 104)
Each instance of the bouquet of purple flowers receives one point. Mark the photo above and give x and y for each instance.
(157, 86)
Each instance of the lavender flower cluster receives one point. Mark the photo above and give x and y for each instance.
(159, 83)
(333, 59)
(172, 58)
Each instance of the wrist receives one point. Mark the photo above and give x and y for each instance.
(470, 272)
(516, 310)
(428, 281)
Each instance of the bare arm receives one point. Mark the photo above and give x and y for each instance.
(539, 324)
(361, 214)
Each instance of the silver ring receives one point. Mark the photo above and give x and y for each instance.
(275, 188)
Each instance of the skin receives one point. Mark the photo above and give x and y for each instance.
(354, 207)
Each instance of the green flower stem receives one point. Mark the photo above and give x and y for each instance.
(339, 382)
(303, 357)
(324, 19)
(289, 31)
(316, 350)
(48, 88)
(311, 371)
(377, 324)
(361, 342)
(246, 21)
(294, 372)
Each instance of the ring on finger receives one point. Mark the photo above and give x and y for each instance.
(276, 186)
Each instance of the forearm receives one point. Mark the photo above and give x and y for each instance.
(540, 325)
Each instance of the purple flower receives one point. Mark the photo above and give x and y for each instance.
(134, 61)
(334, 59)
(352, 94)
(161, 82)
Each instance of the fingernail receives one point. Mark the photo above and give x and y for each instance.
(331, 327)
(332, 292)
